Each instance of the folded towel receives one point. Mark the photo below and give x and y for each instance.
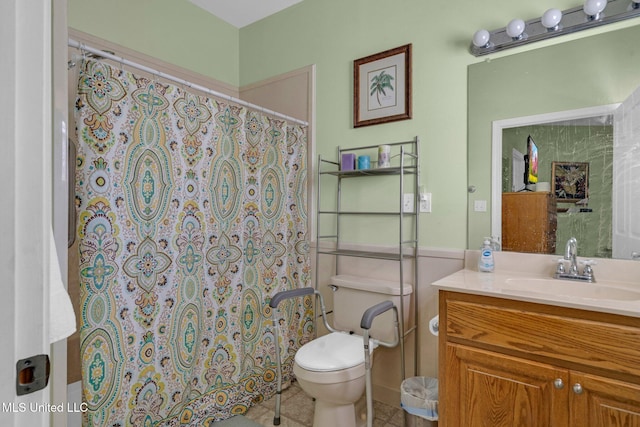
(62, 319)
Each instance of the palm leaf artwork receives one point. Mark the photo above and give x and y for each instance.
(379, 83)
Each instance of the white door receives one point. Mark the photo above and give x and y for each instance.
(25, 213)
(626, 177)
(518, 166)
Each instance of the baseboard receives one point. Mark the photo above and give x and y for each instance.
(386, 395)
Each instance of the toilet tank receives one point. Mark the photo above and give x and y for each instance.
(354, 295)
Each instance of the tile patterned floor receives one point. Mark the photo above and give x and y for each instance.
(296, 410)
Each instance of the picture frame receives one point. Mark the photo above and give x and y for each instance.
(382, 87)
(570, 181)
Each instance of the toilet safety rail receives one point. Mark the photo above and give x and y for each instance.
(367, 319)
(275, 301)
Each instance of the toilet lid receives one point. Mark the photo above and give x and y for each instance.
(332, 352)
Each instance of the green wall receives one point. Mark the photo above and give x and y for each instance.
(175, 31)
(332, 34)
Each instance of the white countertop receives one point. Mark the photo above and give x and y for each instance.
(616, 297)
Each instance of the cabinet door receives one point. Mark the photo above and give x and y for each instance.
(487, 389)
(603, 402)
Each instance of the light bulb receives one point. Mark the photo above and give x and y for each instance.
(481, 38)
(515, 28)
(551, 18)
(593, 8)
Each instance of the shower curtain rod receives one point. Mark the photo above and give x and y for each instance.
(121, 60)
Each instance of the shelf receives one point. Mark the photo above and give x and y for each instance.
(569, 211)
(366, 254)
(405, 170)
(408, 170)
(367, 213)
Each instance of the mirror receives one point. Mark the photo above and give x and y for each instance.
(574, 162)
(583, 74)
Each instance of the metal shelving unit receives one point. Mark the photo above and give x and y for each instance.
(407, 172)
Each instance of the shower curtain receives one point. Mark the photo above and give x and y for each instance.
(191, 215)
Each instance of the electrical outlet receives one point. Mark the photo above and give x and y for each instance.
(425, 202)
(409, 200)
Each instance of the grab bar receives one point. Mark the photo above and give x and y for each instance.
(293, 293)
(367, 320)
(275, 301)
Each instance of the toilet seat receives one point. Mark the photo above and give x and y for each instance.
(332, 352)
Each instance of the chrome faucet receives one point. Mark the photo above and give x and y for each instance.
(571, 255)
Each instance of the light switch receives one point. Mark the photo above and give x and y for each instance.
(408, 202)
(480, 206)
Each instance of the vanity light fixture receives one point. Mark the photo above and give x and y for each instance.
(515, 29)
(551, 19)
(553, 23)
(594, 8)
(481, 39)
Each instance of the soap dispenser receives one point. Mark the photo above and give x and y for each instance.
(485, 262)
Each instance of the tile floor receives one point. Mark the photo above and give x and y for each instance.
(296, 410)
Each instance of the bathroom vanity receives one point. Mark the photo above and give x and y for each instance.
(523, 349)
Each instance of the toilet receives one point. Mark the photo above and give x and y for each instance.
(331, 368)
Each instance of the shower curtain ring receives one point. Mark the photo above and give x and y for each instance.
(83, 57)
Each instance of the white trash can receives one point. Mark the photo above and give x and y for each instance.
(419, 399)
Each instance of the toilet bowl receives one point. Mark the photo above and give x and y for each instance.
(331, 370)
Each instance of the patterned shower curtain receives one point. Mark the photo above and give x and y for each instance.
(192, 214)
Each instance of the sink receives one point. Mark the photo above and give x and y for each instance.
(567, 288)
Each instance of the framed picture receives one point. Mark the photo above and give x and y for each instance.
(382, 87)
(570, 181)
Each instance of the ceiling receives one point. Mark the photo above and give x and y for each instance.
(240, 13)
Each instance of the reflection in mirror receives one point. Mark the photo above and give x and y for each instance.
(598, 70)
(574, 165)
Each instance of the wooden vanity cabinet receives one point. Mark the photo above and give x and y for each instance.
(491, 389)
(604, 402)
(509, 363)
(529, 222)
